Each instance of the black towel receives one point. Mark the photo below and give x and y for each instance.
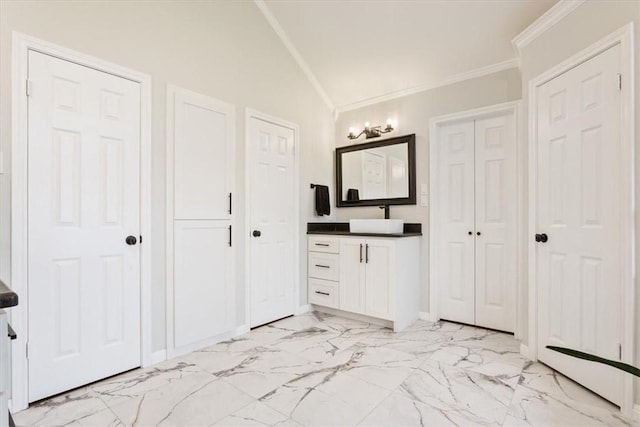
(322, 200)
(352, 195)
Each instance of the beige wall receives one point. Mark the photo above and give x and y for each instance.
(413, 114)
(224, 49)
(589, 23)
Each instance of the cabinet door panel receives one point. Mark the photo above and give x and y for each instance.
(352, 277)
(378, 278)
(203, 292)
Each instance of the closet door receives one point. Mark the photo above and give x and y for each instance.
(454, 265)
(495, 239)
(200, 169)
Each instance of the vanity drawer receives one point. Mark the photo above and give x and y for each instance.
(329, 245)
(324, 266)
(323, 292)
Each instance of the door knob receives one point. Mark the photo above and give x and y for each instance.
(470, 233)
(256, 233)
(479, 233)
(131, 240)
(542, 238)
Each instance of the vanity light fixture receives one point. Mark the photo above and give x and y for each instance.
(370, 132)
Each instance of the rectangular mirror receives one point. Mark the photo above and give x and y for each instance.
(377, 173)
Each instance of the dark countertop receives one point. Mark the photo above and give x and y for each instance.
(342, 229)
(8, 298)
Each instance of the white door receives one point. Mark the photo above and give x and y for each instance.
(380, 286)
(272, 223)
(454, 251)
(83, 193)
(352, 275)
(201, 289)
(496, 222)
(578, 208)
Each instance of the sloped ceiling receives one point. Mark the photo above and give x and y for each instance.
(359, 50)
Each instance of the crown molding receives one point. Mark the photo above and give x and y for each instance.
(294, 52)
(544, 22)
(467, 75)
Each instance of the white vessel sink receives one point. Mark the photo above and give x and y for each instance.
(382, 226)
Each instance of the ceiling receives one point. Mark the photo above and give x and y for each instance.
(360, 50)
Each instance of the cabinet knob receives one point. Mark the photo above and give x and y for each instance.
(256, 233)
(131, 240)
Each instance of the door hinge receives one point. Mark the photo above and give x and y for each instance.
(140, 239)
(28, 88)
(230, 234)
(230, 204)
(619, 81)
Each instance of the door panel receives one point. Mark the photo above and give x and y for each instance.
(352, 275)
(454, 266)
(496, 221)
(202, 157)
(84, 199)
(578, 206)
(380, 296)
(204, 293)
(272, 199)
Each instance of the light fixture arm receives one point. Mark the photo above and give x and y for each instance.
(371, 131)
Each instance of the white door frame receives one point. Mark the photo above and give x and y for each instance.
(22, 44)
(254, 114)
(512, 107)
(624, 38)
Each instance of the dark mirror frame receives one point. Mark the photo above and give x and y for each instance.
(410, 140)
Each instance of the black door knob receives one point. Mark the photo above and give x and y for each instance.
(470, 233)
(479, 233)
(256, 233)
(131, 240)
(542, 238)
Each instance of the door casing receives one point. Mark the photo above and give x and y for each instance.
(624, 38)
(478, 113)
(251, 114)
(22, 44)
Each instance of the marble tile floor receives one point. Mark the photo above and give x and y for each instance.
(322, 370)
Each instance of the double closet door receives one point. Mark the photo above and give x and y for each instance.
(475, 221)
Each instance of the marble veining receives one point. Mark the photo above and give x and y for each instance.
(322, 370)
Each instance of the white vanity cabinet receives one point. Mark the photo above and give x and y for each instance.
(371, 276)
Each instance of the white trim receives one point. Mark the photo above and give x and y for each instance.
(456, 78)
(355, 316)
(230, 111)
(307, 308)
(19, 269)
(514, 108)
(277, 28)
(241, 330)
(254, 114)
(544, 22)
(158, 356)
(636, 412)
(524, 350)
(623, 37)
(423, 315)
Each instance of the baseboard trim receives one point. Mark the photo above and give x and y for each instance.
(241, 330)
(304, 309)
(423, 315)
(636, 412)
(524, 350)
(158, 356)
